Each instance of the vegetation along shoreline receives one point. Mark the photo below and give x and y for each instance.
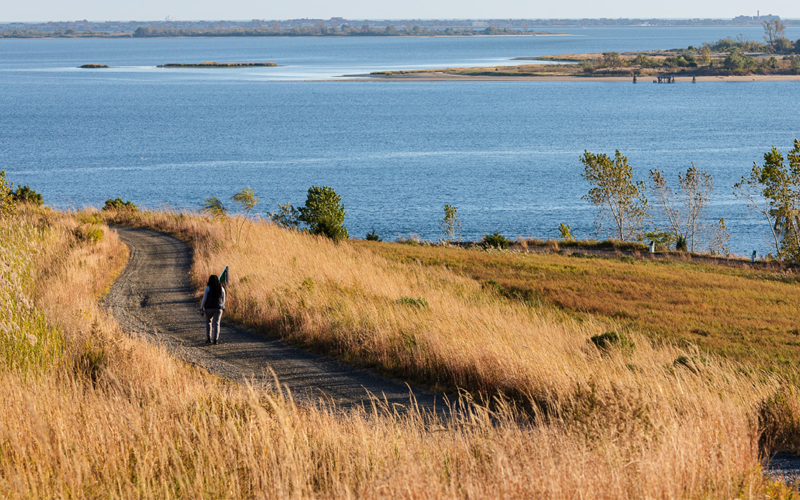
(776, 58)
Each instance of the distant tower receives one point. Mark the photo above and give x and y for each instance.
(758, 14)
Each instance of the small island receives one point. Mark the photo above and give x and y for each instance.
(94, 66)
(211, 64)
(727, 59)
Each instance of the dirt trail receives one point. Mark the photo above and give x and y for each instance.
(154, 297)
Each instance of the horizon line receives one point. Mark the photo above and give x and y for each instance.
(407, 19)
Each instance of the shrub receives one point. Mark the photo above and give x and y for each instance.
(607, 340)
(496, 240)
(286, 216)
(91, 363)
(662, 239)
(566, 232)
(324, 213)
(680, 244)
(373, 236)
(783, 45)
(308, 284)
(118, 205)
(492, 286)
(24, 194)
(419, 302)
(691, 363)
(90, 233)
(794, 63)
(737, 61)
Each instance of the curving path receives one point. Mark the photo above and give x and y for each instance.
(154, 297)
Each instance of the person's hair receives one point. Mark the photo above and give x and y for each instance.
(214, 288)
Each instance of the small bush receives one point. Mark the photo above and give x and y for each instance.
(373, 236)
(24, 194)
(412, 240)
(419, 302)
(566, 232)
(91, 363)
(308, 284)
(286, 216)
(680, 244)
(90, 218)
(662, 239)
(90, 233)
(605, 341)
(495, 240)
(117, 204)
(492, 286)
(691, 363)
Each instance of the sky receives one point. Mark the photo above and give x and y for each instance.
(148, 10)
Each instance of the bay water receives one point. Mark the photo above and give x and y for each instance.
(505, 153)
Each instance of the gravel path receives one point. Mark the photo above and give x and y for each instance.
(154, 298)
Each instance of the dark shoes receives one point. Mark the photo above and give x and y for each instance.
(214, 342)
(208, 341)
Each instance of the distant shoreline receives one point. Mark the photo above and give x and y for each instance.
(446, 77)
(47, 35)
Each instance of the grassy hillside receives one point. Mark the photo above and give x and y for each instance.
(748, 314)
(96, 413)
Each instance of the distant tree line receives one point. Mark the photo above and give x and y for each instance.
(68, 33)
(323, 30)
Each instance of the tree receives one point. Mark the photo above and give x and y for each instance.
(684, 214)
(719, 240)
(773, 29)
(566, 232)
(612, 60)
(324, 213)
(704, 55)
(615, 193)
(783, 45)
(6, 196)
(450, 225)
(246, 199)
(286, 216)
(142, 32)
(737, 61)
(773, 190)
(214, 207)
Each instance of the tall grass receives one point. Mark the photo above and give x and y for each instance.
(139, 424)
(725, 309)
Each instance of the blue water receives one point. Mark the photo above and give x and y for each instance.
(506, 154)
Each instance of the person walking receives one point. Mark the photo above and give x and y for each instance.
(211, 308)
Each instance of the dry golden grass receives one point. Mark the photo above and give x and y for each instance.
(745, 314)
(117, 417)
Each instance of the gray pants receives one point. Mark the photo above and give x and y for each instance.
(213, 318)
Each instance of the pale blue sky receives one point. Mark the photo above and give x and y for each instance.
(103, 10)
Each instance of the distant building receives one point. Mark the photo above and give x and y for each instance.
(757, 19)
(170, 19)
